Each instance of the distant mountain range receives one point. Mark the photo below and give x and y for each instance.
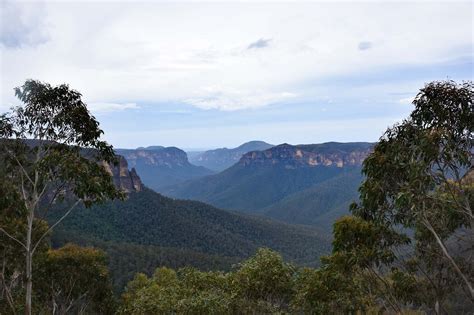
(158, 166)
(305, 184)
(220, 159)
(304, 187)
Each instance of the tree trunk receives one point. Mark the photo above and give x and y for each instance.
(29, 274)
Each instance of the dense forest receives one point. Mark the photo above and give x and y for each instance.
(406, 246)
(175, 233)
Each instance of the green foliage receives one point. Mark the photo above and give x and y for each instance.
(74, 279)
(264, 277)
(321, 204)
(159, 231)
(262, 284)
(43, 152)
(329, 291)
(415, 211)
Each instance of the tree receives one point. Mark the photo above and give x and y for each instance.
(51, 155)
(263, 284)
(75, 280)
(417, 179)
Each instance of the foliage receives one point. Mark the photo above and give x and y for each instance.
(415, 211)
(262, 284)
(319, 205)
(74, 279)
(160, 231)
(50, 153)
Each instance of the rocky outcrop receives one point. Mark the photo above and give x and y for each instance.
(220, 159)
(125, 179)
(168, 157)
(327, 154)
(160, 167)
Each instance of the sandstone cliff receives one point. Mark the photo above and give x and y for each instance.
(293, 156)
(125, 179)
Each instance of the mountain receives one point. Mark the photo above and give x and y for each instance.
(284, 182)
(148, 229)
(160, 166)
(220, 159)
(320, 204)
(123, 178)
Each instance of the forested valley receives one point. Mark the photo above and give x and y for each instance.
(73, 241)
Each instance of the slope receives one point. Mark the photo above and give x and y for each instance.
(148, 218)
(220, 159)
(263, 178)
(159, 166)
(321, 204)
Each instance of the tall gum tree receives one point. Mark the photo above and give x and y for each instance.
(419, 178)
(50, 150)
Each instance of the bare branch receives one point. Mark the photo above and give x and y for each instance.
(54, 225)
(21, 166)
(13, 238)
(448, 256)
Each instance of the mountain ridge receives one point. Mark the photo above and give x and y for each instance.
(162, 166)
(222, 158)
(264, 178)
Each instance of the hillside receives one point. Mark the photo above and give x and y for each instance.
(220, 159)
(261, 180)
(159, 166)
(147, 219)
(320, 204)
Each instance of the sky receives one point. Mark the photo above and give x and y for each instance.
(200, 75)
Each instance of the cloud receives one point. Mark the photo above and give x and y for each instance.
(364, 45)
(22, 25)
(231, 99)
(110, 107)
(153, 52)
(261, 43)
(405, 101)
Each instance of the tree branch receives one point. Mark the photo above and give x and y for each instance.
(448, 256)
(54, 225)
(21, 166)
(12, 237)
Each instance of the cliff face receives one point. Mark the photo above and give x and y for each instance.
(307, 156)
(160, 167)
(168, 157)
(220, 159)
(128, 181)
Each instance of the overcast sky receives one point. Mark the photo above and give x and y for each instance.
(204, 75)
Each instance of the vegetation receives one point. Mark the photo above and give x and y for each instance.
(407, 248)
(160, 231)
(49, 168)
(251, 188)
(321, 204)
(411, 234)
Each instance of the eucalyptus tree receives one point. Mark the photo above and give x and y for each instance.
(52, 155)
(419, 178)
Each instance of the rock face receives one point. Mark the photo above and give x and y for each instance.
(326, 154)
(125, 179)
(221, 159)
(156, 156)
(262, 179)
(159, 167)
